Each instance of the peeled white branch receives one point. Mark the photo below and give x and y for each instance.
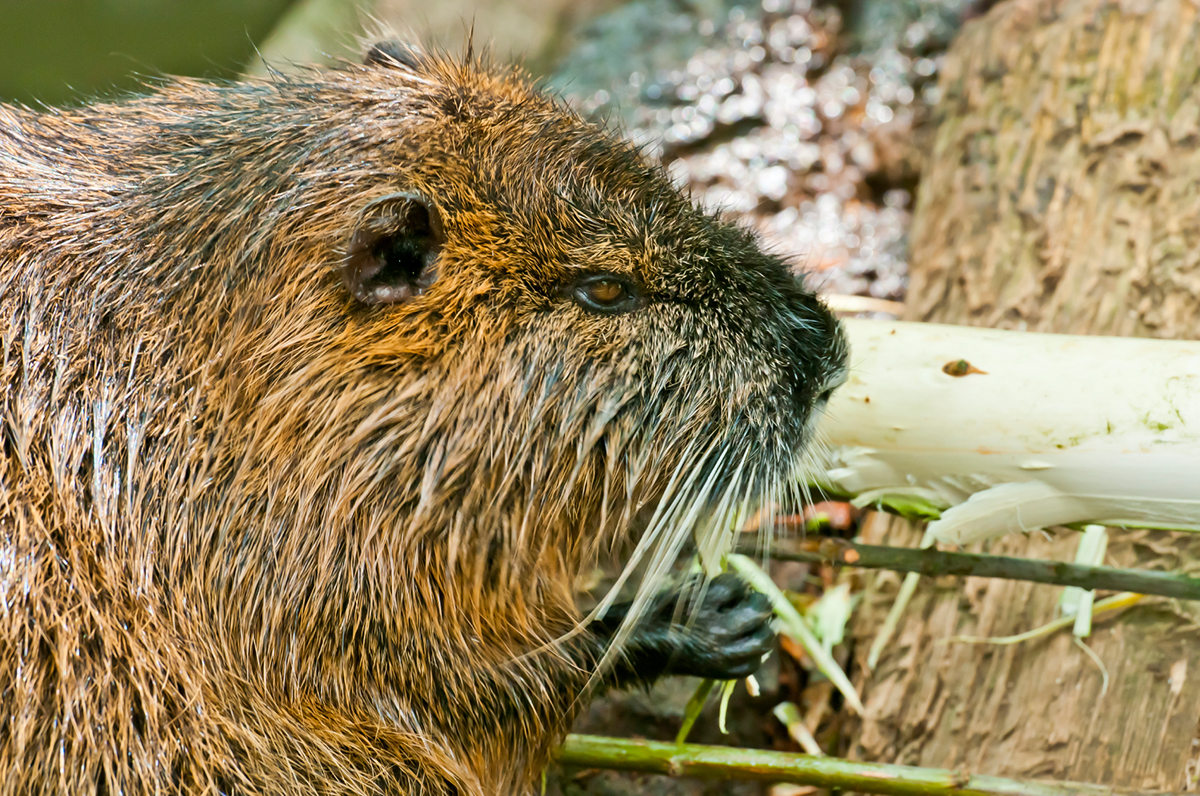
(1034, 430)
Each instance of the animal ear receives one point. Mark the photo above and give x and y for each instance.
(393, 253)
(394, 54)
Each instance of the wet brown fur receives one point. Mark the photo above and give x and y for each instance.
(256, 537)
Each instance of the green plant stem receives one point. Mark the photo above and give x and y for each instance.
(692, 711)
(794, 625)
(720, 762)
(937, 562)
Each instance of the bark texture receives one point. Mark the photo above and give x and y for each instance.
(1062, 195)
(1062, 191)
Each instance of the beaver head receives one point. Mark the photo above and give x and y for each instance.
(513, 335)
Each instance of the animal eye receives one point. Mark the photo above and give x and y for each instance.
(605, 293)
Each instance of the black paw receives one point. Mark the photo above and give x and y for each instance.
(726, 637)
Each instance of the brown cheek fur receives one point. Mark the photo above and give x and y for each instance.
(255, 537)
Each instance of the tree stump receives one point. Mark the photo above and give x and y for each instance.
(1062, 195)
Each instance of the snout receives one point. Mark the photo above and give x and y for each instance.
(836, 364)
(817, 352)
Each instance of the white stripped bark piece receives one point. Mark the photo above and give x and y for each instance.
(1036, 430)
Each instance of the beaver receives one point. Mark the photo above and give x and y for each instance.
(320, 391)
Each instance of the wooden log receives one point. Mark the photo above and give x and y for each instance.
(1061, 196)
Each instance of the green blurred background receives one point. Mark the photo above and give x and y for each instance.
(55, 51)
(64, 51)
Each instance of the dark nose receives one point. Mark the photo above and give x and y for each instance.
(836, 376)
(807, 337)
(818, 349)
